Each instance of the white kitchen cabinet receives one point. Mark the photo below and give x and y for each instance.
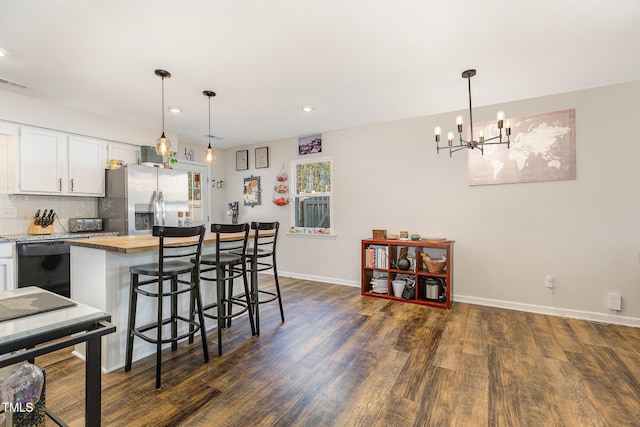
(86, 166)
(39, 161)
(55, 163)
(129, 154)
(6, 266)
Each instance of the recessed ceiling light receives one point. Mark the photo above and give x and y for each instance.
(307, 108)
(175, 110)
(3, 52)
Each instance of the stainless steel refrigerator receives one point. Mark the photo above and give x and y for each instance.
(138, 197)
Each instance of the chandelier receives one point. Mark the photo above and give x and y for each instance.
(473, 143)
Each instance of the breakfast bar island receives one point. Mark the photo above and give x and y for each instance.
(100, 278)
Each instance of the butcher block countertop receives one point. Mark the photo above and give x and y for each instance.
(133, 244)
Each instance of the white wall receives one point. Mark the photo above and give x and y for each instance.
(508, 237)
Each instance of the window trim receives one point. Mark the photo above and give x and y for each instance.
(311, 231)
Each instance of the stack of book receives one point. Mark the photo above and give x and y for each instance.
(376, 257)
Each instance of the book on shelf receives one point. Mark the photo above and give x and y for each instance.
(376, 257)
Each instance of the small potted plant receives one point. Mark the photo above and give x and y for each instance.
(171, 160)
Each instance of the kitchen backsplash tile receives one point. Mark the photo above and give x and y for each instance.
(26, 206)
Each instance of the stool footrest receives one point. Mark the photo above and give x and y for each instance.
(188, 287)
(139, 331)
(238, 303)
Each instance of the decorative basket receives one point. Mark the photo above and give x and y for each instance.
(433, 266)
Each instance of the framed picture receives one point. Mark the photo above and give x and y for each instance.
(310, 144)
(543, 149)
(262, 157)
(252, 191)
(242, 160)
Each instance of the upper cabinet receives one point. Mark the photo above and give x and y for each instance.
(49, 162)
(86, 166)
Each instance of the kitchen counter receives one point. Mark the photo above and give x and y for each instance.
(100, 278)
(132, 244)
(56, 236)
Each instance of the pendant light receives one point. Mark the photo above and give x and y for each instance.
(209, 153)
(163, 144)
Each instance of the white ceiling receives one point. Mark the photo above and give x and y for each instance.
(356, 61)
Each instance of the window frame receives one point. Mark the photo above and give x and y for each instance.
(311, 231)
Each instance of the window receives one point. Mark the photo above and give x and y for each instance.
(312, 196)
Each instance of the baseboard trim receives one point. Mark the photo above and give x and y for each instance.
(553, 311)
(323, 279)
(509, 305)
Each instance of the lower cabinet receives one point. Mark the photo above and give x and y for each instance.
(6, 267)
(414, 271)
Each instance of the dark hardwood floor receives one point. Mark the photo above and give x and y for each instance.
(345, 360)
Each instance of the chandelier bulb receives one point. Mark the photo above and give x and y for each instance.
(500, 117)
(450, 138)
(437, 132)
(459, 123)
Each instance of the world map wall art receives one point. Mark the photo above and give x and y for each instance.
(543, 148)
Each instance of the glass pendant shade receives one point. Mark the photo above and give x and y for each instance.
(163, 146)
(209, 154)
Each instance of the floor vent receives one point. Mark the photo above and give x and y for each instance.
(12, 83)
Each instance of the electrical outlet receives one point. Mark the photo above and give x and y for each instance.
(8, 212)
(550, 281)
(614, 301)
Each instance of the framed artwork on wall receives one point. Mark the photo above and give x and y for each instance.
(242, 160)
(310, 144)
(543, 148)
(262, 157)
(252, 191)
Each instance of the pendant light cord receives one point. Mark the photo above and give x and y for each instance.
(163, 107)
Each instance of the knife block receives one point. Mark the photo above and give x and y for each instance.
(38, 229)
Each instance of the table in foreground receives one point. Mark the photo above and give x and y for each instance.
(49, 331)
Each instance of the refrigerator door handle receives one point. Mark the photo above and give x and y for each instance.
(162, 206)
(154, 201)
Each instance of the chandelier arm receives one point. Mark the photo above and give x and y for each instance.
(453, 150)
(486, 141)
(465, 142)
(458, 147)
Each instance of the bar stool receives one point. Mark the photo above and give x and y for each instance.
(175, 250)
(262, 257)
(228, 262)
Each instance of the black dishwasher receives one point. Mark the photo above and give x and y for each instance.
(45, 264)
